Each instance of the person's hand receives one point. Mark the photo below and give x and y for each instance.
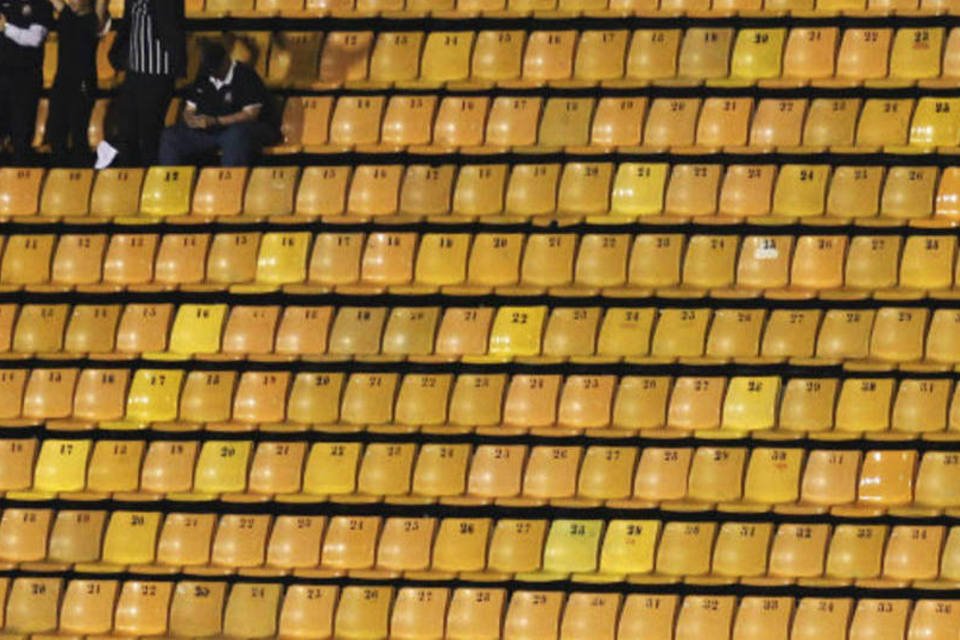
(197, 121)
(3, 22)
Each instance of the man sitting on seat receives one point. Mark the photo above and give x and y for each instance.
(227, 110)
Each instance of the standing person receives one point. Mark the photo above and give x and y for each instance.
(227, 109)
(24, 25)
(71, 99)
(151, 47)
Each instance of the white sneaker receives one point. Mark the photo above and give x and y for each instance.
(106, 154)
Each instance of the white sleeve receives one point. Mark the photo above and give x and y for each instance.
(32, 36)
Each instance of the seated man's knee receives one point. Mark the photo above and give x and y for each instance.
(168, 152)
(239, 145)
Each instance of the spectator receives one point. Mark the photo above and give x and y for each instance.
(24, 25)
(227, 110)
(71, 99)
(151, 47)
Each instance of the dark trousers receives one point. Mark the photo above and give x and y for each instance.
(68, 122)
(143, 102)
(19, 97)
(240, 144)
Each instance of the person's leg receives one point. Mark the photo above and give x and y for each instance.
(80, 155)
(58, 129)
(153, 99)
(240, 144)
(23, 116)
(181, 145)
(124, 114)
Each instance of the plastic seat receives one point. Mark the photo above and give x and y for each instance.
(516, 546)
(181, 259)
(933, 124)
(250, 330)
(498, 55)
(916, 54)
(167, 191)
(601, 55)
(653, 615)
(818, 262)
(864, 54)
(61, 466)
(886, 478)
(764, 262)
(826, 619)
(778, 123)
(375, 190)
(410, 331)
(763, 617)
(680, 333)
(76, 536)
(24, 534)
(363, 612)
(884, 123)
(270, 191)
(426, 191)
(197, 329)
(724, 122)
(419, 612)
(638, 189)
(356, 120)
(552, 472)
(927, 262)
(461, 545)
(909, 192)
(872, 261)
(479, 189)
(517, 331)
(685, 549)
(584, 189)
(810, 53)
(757, 54)
(702, 614)
(17, 464)
(463, 332)
(143, 607)
(405, 544)
(233, 258)
(864, 405)
(832, 123)
(21, 191)
(446, 56)
(32, 605)
(655, 260)
(705, 54)
(308, 611)
(513, 122)
(240, 541)
(331, 469)
(898, 334)
(115, 466)
(345, 56)
(283, 258)
(672, 122)
(396, 57)
(475, 613)
(741, 549)
(566, 122)
(27, 260)
(693, 190)
(408, 120)
(653, 54)
(830, 477)
(459, 121)
(196, 609)
(709, 261)
(386, 469)
(66, 192)
(496, 471)
(932, 618)
(880, 619)
(168, 468)
(798, 551)
(549, 55)
(219, 192)
(532, 190)
(533, 615)
(131, 537)
(116, 193)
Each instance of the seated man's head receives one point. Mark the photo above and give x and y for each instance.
(81, 6)
(216, 61)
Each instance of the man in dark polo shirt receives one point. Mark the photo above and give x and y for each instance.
(24, 25)
(227, 110)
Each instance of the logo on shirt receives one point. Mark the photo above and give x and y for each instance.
(228, 97)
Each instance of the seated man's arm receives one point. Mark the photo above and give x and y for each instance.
(250, 113)
(194, 119)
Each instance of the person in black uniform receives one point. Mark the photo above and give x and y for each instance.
(24, 25)
(71, 99)
(227, 109)
(151, 48)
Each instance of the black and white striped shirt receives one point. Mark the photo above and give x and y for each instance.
(147, 53)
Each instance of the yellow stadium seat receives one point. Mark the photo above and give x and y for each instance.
(628, 547)
(197, 329)
(154, 395)
(935, 123)
(61, 465)
(885, 123)
(167, 191)
(757, 54)
(131, 537)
